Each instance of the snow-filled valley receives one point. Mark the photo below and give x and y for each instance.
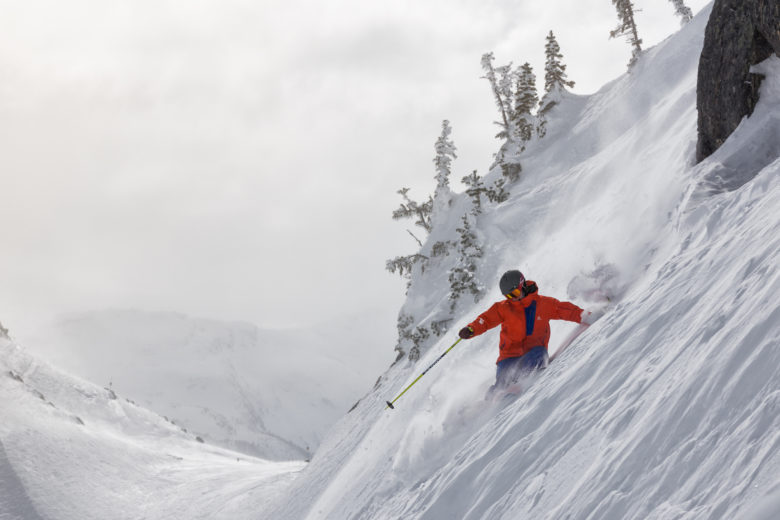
(267, 393)
(71, 449)
(668, 407)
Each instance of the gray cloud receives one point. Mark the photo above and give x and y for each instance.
(229, 159)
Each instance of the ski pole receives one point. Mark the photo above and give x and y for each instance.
(390, 403)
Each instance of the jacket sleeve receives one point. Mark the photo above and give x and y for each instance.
(487, 320)
(564, 311)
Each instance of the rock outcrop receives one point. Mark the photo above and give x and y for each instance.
(739, 34)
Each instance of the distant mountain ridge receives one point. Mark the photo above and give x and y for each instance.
(271, 394)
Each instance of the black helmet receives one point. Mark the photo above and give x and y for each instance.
(510, 281)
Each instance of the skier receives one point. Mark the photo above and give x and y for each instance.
(525, 327)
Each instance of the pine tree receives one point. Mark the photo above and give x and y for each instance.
(475, 190)
(445, 153)
(683, 11)
(497, 193)
(555, 82)
(463, 277)
(526, 99)
(441, 248)
(411, 335)
(412, 209)
(416, 336)
(403, 265)
(501, 83)
(508, 159)
(627, 27)
(506, 83)
(405, 331)
(554, 69)
(490, 75)
(443, 196)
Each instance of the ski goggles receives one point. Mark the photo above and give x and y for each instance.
(515, 293)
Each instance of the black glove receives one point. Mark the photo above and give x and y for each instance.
(466, 332)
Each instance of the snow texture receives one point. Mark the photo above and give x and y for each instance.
(73, 450)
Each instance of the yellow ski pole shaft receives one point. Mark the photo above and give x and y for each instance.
(390, 403)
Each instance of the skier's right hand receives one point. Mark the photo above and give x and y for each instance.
(590, 317)
(466, 332)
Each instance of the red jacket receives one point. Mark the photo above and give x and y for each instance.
(525, 324)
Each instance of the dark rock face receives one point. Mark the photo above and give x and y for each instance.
(740, 33)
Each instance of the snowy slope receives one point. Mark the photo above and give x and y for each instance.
(271, 394)
(665, 408)
(70, 450)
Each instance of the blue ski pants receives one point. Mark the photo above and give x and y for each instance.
(509, 370)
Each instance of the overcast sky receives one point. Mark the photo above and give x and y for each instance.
(239, 159)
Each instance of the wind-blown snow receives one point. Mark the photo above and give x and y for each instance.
(666, 408)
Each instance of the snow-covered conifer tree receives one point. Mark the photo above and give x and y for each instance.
(506, 81)
(508, 158)
(627, 28)
(475, 190)
(497, 193)
(409, 334)
(403, 265)
(555, 82)
(501, 82)
(490, 75)
(554, 69)
(683, 11)
(526, 99)
(463, 277)
(413, 209)
(442, 198)
(445, 153)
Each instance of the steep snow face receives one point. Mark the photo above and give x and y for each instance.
(70, 450)
(271, 394)
(665, 408)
